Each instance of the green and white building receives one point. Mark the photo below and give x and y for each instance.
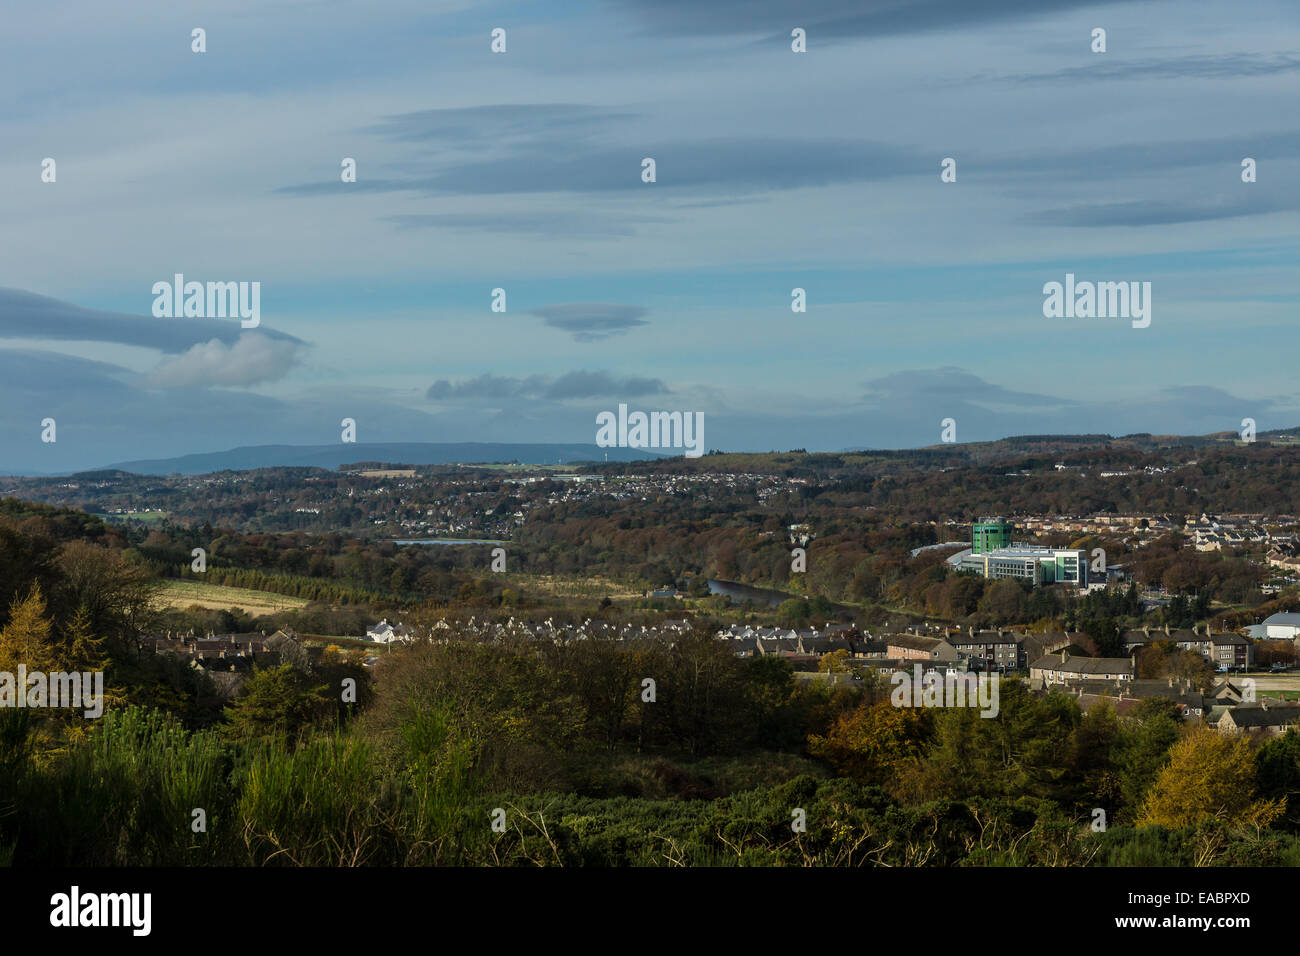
(993, 554)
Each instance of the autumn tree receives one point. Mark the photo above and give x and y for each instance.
(875, 743)
(28, 637)
(1210, 776)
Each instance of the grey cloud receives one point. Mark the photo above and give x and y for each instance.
(574, 225)
(486, 386)
(731, 166)
(1199, 66)
(582, 384)
(106, 413)
(952, 384)
(1108, 162)
(30, 316)
(30, 372)
(1153, 212)
(571, 385)
(488, 126)
(592, 321)
(340, 188)
(831, 20)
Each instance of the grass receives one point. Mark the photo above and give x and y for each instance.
(1282, 694)
(144, 517)
(591, 587)
(184, 594)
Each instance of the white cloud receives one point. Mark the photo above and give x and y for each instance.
(251, 360)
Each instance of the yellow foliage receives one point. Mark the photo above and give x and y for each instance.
(1210, 776)
(874, 742)
(27, 637)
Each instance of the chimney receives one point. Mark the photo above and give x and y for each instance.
(1166, 630)
(1062, 655)
(1146, 631)
(970, 631)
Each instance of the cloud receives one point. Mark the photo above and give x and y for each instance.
(31, 316)
(592, 321)
(1155, 212)
(735, 166)
(106, 413)
(571, 385)
(251, 360)
(919, 387)
(572, 225)
(1108, 163)
(1198, 66)
(830, 20)
(600, 384)
(472, 127)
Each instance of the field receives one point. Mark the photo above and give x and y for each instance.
(183, 594)
(144, 517)
(592, 587)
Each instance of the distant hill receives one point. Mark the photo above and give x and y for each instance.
(411, 453)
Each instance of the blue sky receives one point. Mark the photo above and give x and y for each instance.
(521, 171)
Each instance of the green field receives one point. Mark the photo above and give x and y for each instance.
(144, 517)
(183, 594)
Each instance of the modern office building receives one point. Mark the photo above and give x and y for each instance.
(990, 534)
(1029, 563)
(993, 554)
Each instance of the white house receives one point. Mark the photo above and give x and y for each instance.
(385, 633)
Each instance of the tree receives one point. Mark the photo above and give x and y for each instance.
(1277, 772)
(27, 638)
(1143, 747)
(277, 705)
(1003, 602)
(85, 651)
(836, 662)
(875, 743)
(792, 611)
(116, 595)
(1210, 776)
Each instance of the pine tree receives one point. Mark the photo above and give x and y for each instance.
(27, 639)
(85, 651)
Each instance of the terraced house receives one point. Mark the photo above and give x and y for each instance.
(1221, 650)
(1060, 668)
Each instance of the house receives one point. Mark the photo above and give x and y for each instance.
(990, 650)
(1226, 693)
(1057, 669)
(1232, 650)
(385, 633)
(1125, 695)
(887, 667)
(1260, 720)
(1221, 650)
(912, 647)
(1038, 644)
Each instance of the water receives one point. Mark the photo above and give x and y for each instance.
(743, 592)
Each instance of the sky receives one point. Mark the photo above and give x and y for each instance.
(523, 171)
